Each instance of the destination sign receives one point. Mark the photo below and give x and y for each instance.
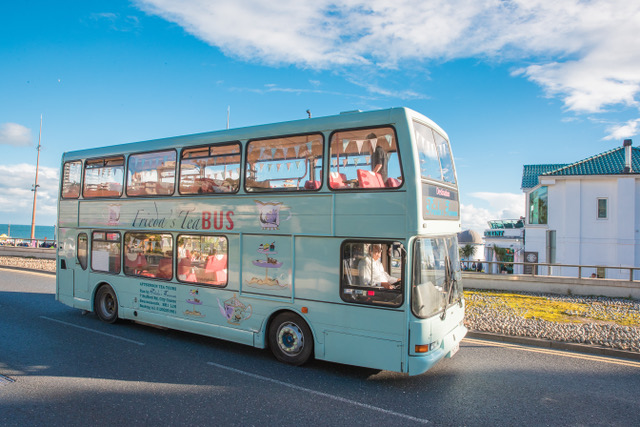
(439, 203)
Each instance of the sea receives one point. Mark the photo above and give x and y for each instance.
(20, 231)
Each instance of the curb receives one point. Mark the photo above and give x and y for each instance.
(556, 345)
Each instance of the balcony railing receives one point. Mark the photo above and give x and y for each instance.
(27, 243)
(555, 270)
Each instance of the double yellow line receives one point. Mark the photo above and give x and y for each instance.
(594, 358)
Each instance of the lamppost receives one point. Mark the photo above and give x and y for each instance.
(35, 186)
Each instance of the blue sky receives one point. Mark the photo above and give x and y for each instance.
(512, 82)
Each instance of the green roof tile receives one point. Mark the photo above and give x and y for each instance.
(608, 163)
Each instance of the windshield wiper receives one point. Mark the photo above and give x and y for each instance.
(448, 285)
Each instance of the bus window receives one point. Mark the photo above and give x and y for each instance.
(151, 174)
(71, 180)
(148, 255)
(202, 259)
(372, 273)
(207, 170)
(287, 163)
(436, 275)
(105, 252)
(103, 177)
(434, 154)
(364, 158)
(82, 250)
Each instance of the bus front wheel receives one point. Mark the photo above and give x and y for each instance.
(290, 339)
(106, 304)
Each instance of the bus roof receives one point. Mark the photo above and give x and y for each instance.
(345, 120)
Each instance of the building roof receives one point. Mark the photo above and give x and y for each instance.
(530, 173)
(608, 163)
(469, 236)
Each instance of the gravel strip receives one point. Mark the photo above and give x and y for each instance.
(37, 264)
(492, 316)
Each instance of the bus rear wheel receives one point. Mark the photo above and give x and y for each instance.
(106, 304)
(290, 339)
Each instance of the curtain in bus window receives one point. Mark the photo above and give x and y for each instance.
(71, 180)
(103, 177)
(289, 163)
(105, 252)
(364, 158)
(151, 174)
(202, 259)
(210, 170)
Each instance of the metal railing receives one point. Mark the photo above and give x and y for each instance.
(554, 270)
(27, 243)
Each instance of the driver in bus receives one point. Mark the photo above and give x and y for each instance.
(372, 272)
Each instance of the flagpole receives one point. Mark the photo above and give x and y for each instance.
(35, 186)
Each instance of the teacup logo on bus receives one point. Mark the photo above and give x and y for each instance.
(112, 214)
(234, 310)
(269, 214)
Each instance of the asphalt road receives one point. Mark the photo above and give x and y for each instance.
(60, 367)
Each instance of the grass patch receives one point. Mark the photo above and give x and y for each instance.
(554, 308)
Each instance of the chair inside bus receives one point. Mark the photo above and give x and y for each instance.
(369, 179)
(337, 180)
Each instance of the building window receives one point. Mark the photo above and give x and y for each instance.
(538, 206)
(602, 208)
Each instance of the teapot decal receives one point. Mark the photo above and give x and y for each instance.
(234, 310)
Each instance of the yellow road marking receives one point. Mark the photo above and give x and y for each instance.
(591, 357)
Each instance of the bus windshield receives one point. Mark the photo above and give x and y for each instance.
(436, 275)
(434, 154)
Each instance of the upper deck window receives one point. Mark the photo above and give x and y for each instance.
(287, 163)
(207, 170)
(151, 174)
(434, 154)
(71, 180)
(103, 177)
(364, 158)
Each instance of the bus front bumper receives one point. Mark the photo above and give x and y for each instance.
(450, 344)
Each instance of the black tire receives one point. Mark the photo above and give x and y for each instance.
(106, 304)
(290, 339)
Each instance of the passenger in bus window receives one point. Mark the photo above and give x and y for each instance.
(379, 158)
(372, 272)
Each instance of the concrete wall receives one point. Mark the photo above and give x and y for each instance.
(553, 285)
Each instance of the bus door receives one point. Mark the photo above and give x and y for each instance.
(80, 267)
(267, 263)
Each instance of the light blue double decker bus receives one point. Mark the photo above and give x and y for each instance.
(331, 237)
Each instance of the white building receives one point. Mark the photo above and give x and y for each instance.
(585, 213)
(507, 234)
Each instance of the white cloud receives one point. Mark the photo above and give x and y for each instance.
(626, 130)
(498, 206)
(16, 197)
(15, 134)
(585, 52)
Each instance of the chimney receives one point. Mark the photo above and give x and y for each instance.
(627, 156)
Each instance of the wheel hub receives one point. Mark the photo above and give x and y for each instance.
(290, 339)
